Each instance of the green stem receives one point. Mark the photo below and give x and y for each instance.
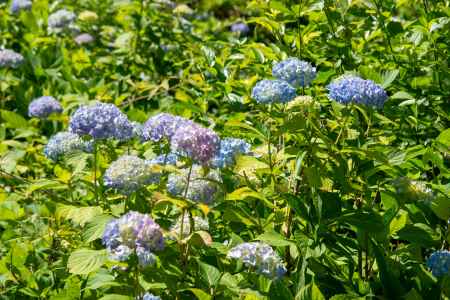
(95, 173)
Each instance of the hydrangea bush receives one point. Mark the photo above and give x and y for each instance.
(224, 150)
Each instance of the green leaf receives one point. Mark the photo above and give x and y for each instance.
(209, 273)
(201, 295)
(94, 229)
(274, 239)
(101, 279)
(444, 137)
(279, 290)
(387, 77)
(85, 261)
(366, 221)
(116, 297)
(420, 234)
(13, 120)
(441, 207)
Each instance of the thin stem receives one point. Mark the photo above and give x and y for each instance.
(95, 173)
(300, 41)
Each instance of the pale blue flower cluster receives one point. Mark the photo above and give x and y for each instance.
(101, 121)
(203, 188)
(162, 126)
(260, 257)
(272, 91)
(349, 88)
(133, 233)
(240, 28)
(150, 296)
(84, 38)
(137, 129)
(10, 58)
(43, 107)
(163, 159)
(199, 224)
(60, 19)
(198, 143)
(294, 71)
(64, 143)
(439, 263)
(230, 148)
(19, 5)
(128, 174)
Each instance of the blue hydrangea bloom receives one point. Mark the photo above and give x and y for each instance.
(133, 233)
(439, 263)
(128, 174)
(64, 143)
(271, 91)
(163, 159)
(229, 149)
(162, 126)
(19, 5)
(349, 88)
(203, 188)
(240, 28)
(296, 72)
(149, 296)
(260, 257)
(10, 58)
(198, 143)
(60, 19)
(137, 129)
(84, 38)
(101, 121)
(145, 257)
(43, 107)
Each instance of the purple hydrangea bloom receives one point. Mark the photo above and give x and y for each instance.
(150, 296)
(145, 257)
(229, 149)
(10, 58)
(84, 38)
(162, 126)
(128, 174)
(64, 143)
(297, 73)
(439, 263)
(133, 233)
(43, 107)
(203, 188)
(240, 28)
(270, 91)
(101, 121)
(195, 142)
(260, 257)
(351, 88)
(60, 19)
(19, 5)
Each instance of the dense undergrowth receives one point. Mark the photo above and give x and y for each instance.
(224, 149)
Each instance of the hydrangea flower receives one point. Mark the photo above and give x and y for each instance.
(64, 143)
(84, 38)
(439, 263)
(137, 129)
(163, 159)
(101, 121)
(240, 28)
(60, 19)
(296, 72)
(43, 107)
(271, 91)
(195, 142)
(202, 188)
(150, 296)
(133, 233)
(229, 149)
(259, 257)
(128, 174)
(199, 224)
(10, 58)
(162, 126)
(349, 88)
(19, 5)
(413, 190)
